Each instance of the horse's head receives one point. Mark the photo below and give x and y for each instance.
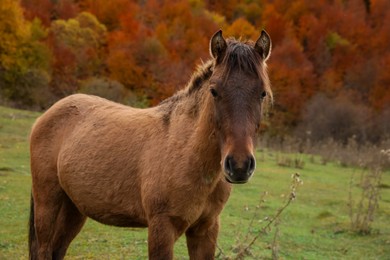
(239, 85)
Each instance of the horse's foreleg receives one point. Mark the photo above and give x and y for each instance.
(202, 239)
(162, 234)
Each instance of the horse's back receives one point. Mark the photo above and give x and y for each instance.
(68, 112)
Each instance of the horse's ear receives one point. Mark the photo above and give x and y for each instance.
(218, 46)
(263, 45)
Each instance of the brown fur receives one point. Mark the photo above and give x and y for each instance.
(161, 167)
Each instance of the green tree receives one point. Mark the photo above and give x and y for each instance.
(14, 34)
(85, 37)
(79, 50)
(24, 59)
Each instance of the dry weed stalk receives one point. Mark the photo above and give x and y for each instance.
(275, 241)
(243, 248)
(362, 213)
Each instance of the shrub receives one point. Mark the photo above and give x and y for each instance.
(337, 118)
(28, 90)
(112, 90)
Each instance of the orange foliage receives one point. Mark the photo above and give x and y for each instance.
(47, 10)
(41, 9)
(336, 47)
(242, 28)
(108, 12)
(380, 94)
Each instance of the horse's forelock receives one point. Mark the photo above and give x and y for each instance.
(243, 57)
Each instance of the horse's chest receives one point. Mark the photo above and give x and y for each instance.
(190, 203)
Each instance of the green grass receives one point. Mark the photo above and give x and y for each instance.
(314, 226)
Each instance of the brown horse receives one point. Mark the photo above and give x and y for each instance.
(168, 167)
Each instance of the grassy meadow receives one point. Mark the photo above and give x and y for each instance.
(316, 225)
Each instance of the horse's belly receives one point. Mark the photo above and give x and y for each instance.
(112, 209)
(120, 220)
(107, 198)
(125, 213)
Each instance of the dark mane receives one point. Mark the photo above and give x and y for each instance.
(202, 74)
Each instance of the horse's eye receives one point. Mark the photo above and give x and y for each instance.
(213, 92)
(263, 94)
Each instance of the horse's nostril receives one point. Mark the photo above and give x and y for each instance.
(229, 165)
(251, 165)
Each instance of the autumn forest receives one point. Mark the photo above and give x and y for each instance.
(329, 66)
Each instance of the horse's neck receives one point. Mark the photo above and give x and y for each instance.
(204, 141)
(197, 131)
(205, 131)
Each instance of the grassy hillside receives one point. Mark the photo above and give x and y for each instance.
(315, 226)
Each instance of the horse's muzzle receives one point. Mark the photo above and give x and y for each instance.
(239, 173)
